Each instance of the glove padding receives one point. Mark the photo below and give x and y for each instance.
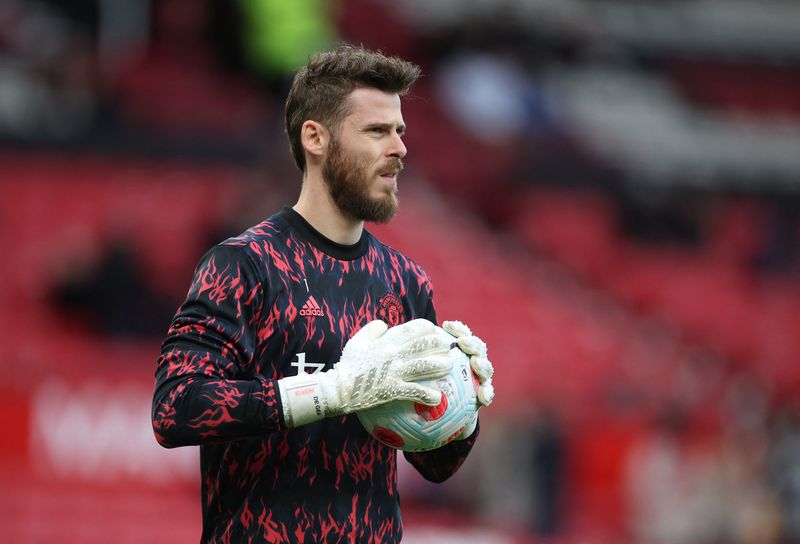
(480, 364)
(378, 365)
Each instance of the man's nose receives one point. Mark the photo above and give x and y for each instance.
(397, 147)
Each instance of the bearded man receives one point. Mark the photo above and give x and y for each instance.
(285, 327)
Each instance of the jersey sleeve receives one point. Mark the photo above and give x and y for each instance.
(206, 390)
(439, 464)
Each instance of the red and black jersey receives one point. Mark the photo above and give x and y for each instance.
(277, 300)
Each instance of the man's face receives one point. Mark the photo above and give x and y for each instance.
(365, 156)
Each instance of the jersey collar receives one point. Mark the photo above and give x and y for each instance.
(336, 250)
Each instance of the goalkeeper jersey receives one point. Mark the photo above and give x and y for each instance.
(278, 300)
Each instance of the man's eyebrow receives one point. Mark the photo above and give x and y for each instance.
(385, 126)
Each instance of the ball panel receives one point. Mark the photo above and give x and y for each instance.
(388, 437)
(431, 413)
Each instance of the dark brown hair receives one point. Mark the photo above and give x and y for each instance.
(320, 89)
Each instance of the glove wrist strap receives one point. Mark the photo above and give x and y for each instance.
(304, 399)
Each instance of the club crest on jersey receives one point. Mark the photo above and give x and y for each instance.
(312, 308)
(390, 309)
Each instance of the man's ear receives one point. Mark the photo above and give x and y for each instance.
(315, 138)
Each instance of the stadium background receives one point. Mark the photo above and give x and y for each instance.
(605, 190)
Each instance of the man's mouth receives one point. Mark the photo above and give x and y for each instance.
(392, 172)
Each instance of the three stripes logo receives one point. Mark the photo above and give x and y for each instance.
(311, 308)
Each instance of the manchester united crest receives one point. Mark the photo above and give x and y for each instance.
(391, 310)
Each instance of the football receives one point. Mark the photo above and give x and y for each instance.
(410, 426)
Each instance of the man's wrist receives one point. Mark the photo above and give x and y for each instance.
(304, 399)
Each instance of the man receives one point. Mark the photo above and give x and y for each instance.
(285, 333)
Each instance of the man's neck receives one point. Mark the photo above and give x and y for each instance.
(317, 207)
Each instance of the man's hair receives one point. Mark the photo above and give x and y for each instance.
(320, 89)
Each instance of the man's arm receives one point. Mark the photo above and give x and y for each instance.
(200, 396)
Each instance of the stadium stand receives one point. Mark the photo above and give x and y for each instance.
(659, 343)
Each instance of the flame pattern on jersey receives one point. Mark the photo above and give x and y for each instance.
(239, 330)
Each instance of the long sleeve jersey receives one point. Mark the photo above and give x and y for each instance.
(278, 300)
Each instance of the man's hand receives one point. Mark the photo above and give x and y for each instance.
(378, 365)
(478, 360)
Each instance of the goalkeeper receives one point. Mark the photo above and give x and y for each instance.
(306, 318)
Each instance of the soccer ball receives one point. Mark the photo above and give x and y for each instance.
(410, 426)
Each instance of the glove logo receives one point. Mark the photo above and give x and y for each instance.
(391, 310)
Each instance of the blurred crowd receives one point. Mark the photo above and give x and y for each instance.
(680, 120)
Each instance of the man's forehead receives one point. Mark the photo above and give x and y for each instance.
(367, 105)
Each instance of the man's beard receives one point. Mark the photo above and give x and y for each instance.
(348, 183)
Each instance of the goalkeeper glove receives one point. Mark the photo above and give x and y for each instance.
(377, 365)
(483, 369)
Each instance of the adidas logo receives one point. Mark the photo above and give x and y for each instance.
(311, 308)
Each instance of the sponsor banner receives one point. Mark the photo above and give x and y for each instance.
(101, 432)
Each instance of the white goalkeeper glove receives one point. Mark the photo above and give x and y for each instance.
(377, 366)
(478, 360)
